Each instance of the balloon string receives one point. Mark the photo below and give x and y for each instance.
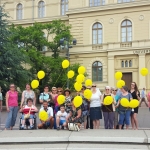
(58, 77)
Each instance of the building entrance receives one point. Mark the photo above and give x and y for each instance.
(127, 77)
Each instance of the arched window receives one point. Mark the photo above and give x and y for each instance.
(122, 64)
(130, 63)
(126, 63)
(97, 71)
(97, 33)
(19, 11)
(126, 31)
(41, 9)
(64, 6)
(96, 2)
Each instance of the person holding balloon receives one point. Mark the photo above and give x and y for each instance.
(135, 95)
(54, 93)
(95, 107)
(28, 93)
(46, 117)
(123, 107)
(108, 108)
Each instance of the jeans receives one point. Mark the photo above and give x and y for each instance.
(109, 119)
(11, 117)
(124, 117)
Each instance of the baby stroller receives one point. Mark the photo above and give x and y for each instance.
(27, 123)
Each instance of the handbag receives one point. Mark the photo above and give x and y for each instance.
(73, 127)
(27, 116)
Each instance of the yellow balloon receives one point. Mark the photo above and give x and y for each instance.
(70, 74)
(65, 64)
(77, 101)
(118, 75)
(88, 94)
(80, 78)
(120, 84)
(144, 71)
(88, 82)
(61, 99)
(34, 84)
(134, 103)
(43, 115)
(108, 100)
(78, 86)
(124, 102)
(41, 74)
(81, 70)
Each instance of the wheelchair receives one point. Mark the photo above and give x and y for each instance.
(27, 123)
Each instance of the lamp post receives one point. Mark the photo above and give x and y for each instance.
(65, 45)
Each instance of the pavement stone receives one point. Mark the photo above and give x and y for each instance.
(147, 132)
(130, 136)
(17, 136)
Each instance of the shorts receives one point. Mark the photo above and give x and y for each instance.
(62, 122)
(31, 116)
(124, 117)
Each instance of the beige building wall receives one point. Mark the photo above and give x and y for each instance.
(112, 51)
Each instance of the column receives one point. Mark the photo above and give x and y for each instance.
(142, 79)
(111, 71)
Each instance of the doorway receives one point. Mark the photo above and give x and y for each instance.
(127, 77)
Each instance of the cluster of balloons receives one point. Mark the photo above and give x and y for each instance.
(118, 76)
(43, 115)
(144, 71)
(35, 83)
(132, 104)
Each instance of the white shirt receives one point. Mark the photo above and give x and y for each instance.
(49, 111)
(63, 115)
(95, 99)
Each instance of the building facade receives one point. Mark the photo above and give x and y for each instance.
(112, 35)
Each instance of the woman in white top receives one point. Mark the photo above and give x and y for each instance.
(1, 100)
(28, 93)
(95, 107)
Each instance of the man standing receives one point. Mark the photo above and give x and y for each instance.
(143, 97)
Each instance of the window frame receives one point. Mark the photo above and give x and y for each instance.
(126, 33)
(41, 8)
(18, 11)
(97, 67)
(97, 29)
(92, 3)
(65, 3)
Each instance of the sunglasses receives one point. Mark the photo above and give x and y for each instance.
(93, 86)
(88, 88)
(59, 91)
(12, 87)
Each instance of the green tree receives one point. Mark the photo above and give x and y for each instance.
(40, 35)
(11, 58)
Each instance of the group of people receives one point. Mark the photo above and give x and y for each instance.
(88, 114)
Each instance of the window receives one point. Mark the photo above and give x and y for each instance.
(122, 64)
(41, 9)
(96, 2)
(19, 11)
(126, 31)
(126, 63)
(97, 33)
(64, 6)
(130, 63)
(125, 1)
(97, 71)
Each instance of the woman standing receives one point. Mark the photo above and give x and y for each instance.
(12, 107)
(28, 93)
(95, 110)
(124, 112)
(54, 93)
(135, 95)
(68, 97)
(45, 96)
(108, 111)
(1, 100)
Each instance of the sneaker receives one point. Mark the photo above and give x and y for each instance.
(22, 127)
(58, 128)
(31, 127)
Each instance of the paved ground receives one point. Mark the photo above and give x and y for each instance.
(143, 118)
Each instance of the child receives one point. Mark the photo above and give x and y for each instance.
(61, 118)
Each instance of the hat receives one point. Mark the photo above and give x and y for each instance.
(67, 90)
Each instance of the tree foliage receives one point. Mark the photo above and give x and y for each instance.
(11, 58)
